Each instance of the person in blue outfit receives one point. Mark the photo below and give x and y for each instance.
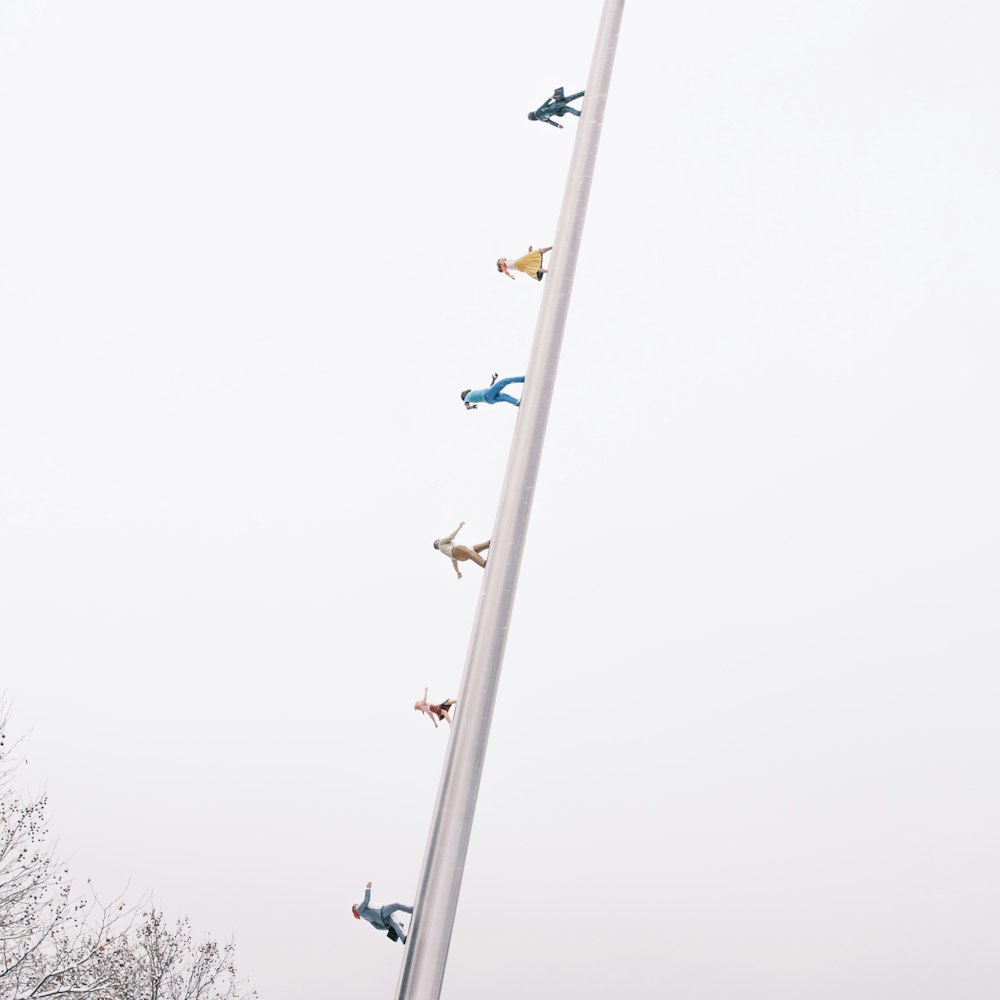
(380, 917)
(556, 106)
(494, 394)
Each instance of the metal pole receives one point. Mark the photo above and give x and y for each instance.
(441, 876)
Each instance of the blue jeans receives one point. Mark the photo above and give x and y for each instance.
(495, 395)
(385, 915)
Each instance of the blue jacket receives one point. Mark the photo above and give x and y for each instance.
(477, 396)
(370, 913)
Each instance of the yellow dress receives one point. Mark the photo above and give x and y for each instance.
(530, 264)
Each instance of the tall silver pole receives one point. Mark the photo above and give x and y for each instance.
(441, 877)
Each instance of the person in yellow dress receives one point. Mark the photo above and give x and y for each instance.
(530, 264)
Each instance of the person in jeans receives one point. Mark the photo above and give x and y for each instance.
(494, 394)
(381, 917)
(461, 553)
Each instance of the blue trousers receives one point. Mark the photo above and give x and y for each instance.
(495, 393)
(385, 915)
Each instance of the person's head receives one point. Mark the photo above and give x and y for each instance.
(354, 910)
(437, 545)
(502, 265)
(416, 706)
(532, 116)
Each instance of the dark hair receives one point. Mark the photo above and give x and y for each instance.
(499, 266)
(465, 392)
(531, 116)
(436, 544)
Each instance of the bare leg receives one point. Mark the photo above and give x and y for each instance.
(481, 547)
(464, 553)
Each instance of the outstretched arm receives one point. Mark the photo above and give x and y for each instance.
(549, 121)
(450, 538)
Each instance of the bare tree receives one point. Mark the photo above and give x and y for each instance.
(54, 944)
(167, 964)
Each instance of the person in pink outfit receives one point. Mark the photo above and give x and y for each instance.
(435, 712)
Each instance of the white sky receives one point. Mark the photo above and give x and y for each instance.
(746, 741)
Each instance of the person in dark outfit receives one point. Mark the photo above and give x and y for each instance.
(380, 917)
(557, 105)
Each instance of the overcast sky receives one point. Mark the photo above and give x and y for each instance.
(746, 740)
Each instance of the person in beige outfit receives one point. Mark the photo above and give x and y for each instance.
(461, 553)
